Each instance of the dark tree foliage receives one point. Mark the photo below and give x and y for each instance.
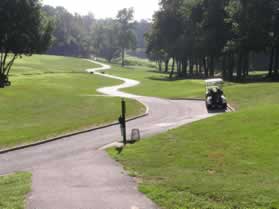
(205, 37)
(23, 31)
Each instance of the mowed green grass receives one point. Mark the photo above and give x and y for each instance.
(243, 96)
(52, 96)
(13, 190)
(228, 161)
(42, 64)
(158, 84)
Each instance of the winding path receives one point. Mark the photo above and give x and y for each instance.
(113, 90)
(73, 173)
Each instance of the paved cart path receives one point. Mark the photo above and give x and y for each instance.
(73, 173)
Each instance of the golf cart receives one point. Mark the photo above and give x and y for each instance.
(215, 98)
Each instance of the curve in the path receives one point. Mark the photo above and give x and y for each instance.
(113, 90)
(162, 110)
(72, 173)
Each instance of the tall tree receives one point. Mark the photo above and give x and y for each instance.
(106, 40)
(215, 30)
(140, 29)
(24, 30)
(126, 37)
(253, 20)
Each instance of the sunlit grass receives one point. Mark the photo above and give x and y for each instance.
(40, 104)
(228, 161)
(13, 190)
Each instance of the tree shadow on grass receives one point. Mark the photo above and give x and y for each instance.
(158, 72)
(176, 78)
(256, 79)
(248, 80)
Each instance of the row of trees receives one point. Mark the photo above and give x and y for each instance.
(203, 36)
(71, 33)
(112, 37)
(27, 27)
(83, 36)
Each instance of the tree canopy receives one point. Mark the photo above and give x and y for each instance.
(205, 36)
(105, 39)
(24, 30)
(72, 33)
(84, 35)
(126, 37)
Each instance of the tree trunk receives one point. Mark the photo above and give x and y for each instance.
(201, 65)
(239, 67)
(211, 66)
(123, 57)
(224, 66)
(160, 66)
(172, 68)
(2, 80)
(271, 59)
(191, 71)
(276, 61)
(198, 66)
(231, 66)
(173, 64)
(247, 64)
(184, 67)
(167, 65)
(205, 67)
(178, 64)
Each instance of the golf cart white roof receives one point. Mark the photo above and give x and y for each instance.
(215, 81)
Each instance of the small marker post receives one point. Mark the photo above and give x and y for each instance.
(122, 121)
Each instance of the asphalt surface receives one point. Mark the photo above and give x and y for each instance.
(73, 173)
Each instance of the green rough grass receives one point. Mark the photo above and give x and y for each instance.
(40, 64)
(49, 102)
(158, 84)
(228, 161)
(243, 96)
(13, 190)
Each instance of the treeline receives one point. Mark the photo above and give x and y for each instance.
(205, 37)
(84, 36)
(71, 33)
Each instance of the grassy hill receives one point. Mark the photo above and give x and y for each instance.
(53, 95)
(228, 161)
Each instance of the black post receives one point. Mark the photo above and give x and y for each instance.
(123, 121)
